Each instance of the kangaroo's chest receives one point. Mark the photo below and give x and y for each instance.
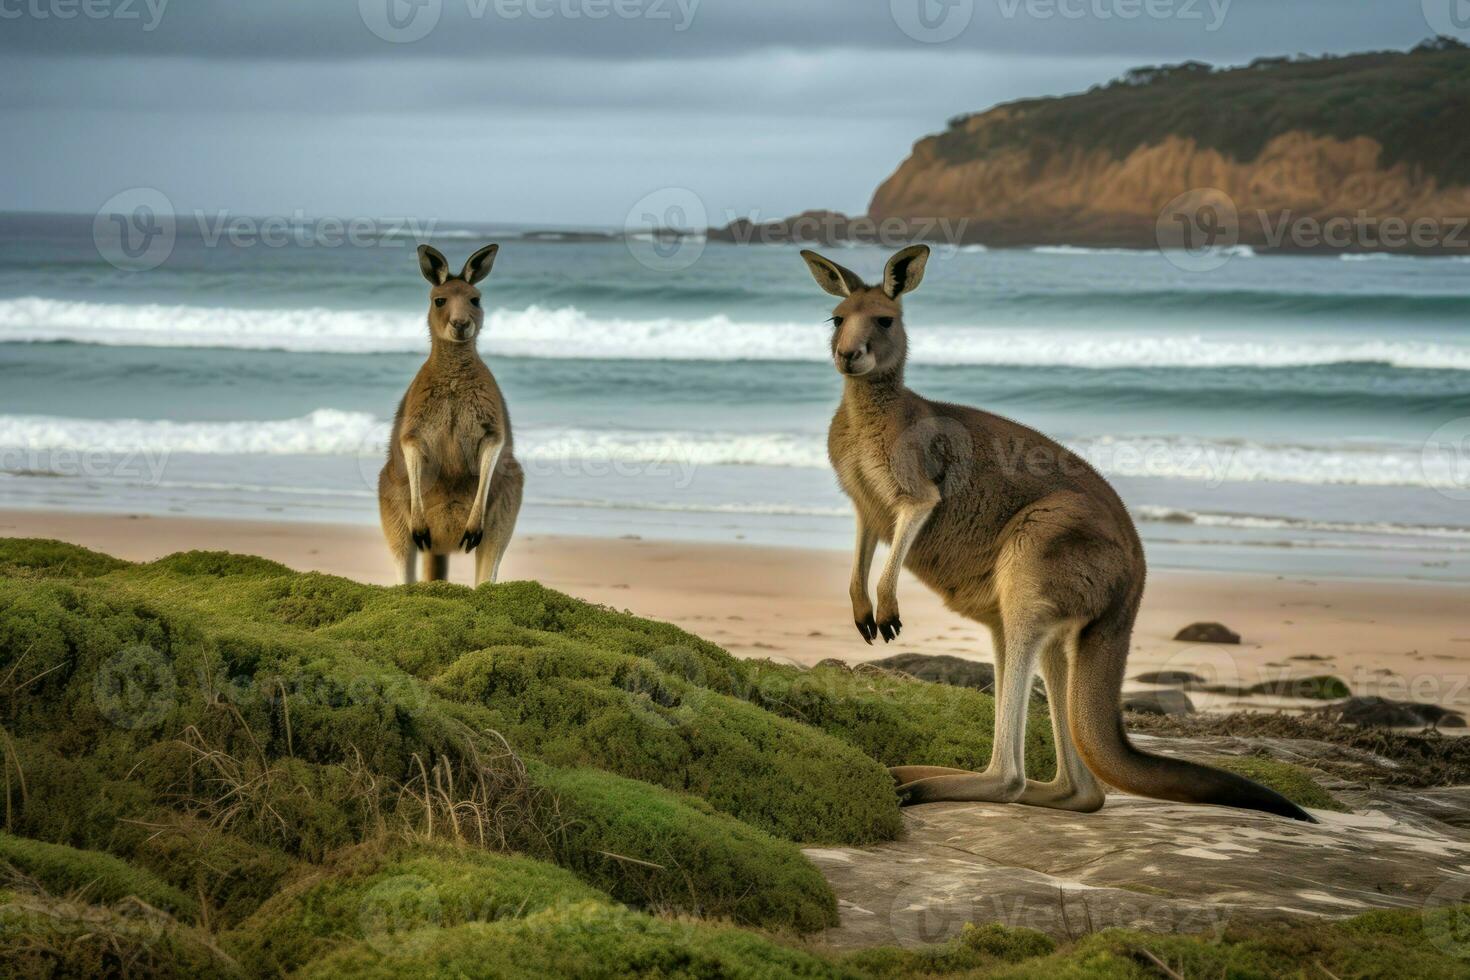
(454, 419)
(864, 474)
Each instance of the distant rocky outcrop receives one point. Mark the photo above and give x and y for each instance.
(1207, 633)
(1158, 702)
(1377, 712)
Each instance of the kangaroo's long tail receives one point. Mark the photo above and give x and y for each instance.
(1097, 730)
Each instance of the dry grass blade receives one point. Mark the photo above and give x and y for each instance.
(1158, 964)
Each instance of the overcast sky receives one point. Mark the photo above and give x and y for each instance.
(567, 111)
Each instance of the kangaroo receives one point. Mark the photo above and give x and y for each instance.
(1014, 531)
(451, 480)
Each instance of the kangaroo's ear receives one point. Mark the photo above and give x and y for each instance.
(433, 265)
(477, 266)
(905, 270)
(831, 276)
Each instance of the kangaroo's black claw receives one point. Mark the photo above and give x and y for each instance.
(890, 628)
(471, 540)
(867, 629)
(422, 540)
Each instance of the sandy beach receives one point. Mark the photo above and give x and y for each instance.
(1404, 640)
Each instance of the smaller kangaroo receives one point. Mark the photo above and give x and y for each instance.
(1015, 532)
(451, 480)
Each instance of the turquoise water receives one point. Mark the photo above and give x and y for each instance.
(1277, 414)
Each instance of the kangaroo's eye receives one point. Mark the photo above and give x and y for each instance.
(475, 301)
(837, 321)
(438, 300)
(885, 322)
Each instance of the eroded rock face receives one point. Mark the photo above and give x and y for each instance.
(1147, 864)
(1094, 198)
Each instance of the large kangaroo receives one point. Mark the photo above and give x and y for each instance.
(451, 480)
(1013, 531)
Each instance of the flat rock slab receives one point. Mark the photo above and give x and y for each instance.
(1144, 864)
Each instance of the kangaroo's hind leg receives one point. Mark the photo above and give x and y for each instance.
(500, 524)
(407, 561)
(909, 774)
(1004, 780)
(1074, 787)
(400, 544)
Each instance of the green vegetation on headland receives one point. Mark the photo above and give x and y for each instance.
(214, 766)
(1413, 104)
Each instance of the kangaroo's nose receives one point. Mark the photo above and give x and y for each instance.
(848, 356)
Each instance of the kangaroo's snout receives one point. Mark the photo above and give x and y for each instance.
(849, 360)
(462, 328)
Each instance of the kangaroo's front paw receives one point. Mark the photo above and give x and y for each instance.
(473, 535)
(422, 540)
(889, 625)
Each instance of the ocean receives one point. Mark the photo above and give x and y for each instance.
(1287, 414)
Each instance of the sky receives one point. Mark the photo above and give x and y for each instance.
(568, 112)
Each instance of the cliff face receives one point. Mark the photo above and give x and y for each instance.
(1062, 171)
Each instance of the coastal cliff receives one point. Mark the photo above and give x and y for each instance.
(1358, 153)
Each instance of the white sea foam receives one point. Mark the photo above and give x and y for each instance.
(567, 332)
(325, 431)
(1257, 522)
(26, 439)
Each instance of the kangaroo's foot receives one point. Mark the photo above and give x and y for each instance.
(1061, 796)
(966, 787)
(422, 540)
(911, 774)
(472, 538)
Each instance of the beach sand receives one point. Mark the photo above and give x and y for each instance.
(1405, 640)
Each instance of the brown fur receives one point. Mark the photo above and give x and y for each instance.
(449, 423)
(1014, 531)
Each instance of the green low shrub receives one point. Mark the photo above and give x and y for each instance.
(586, 940)
(655, 849)
(382, 894)
(100, 878)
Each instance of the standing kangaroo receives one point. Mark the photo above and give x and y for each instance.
(1013, 531)
(451, 480)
